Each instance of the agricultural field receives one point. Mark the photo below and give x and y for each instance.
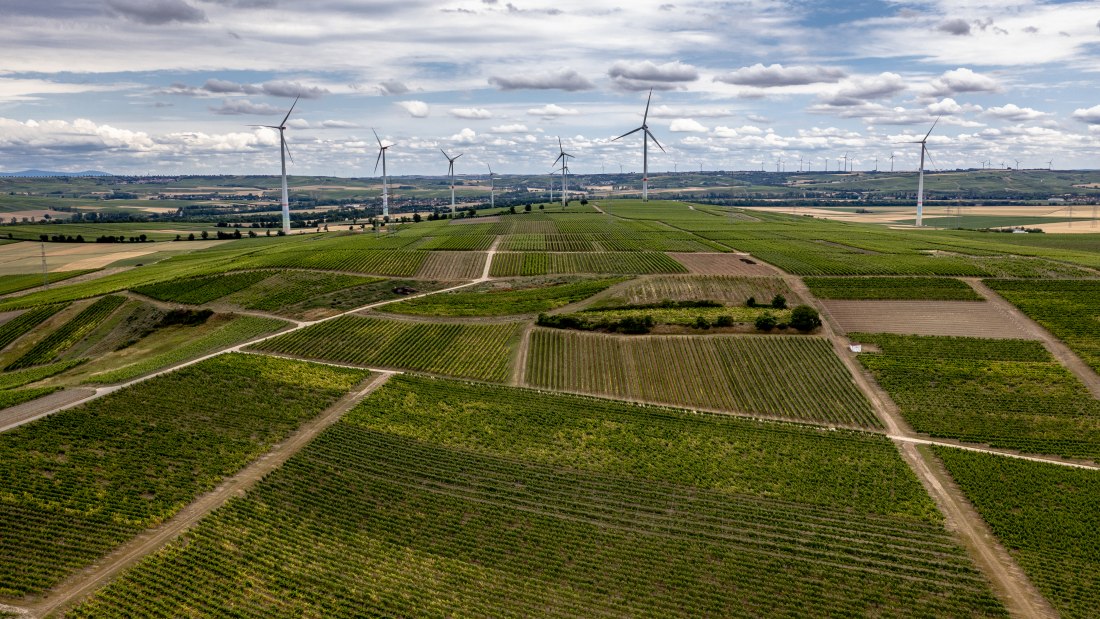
(452, 265)
(49, 348)
(505, 298)
(98, 474)
(724, 264)
(947, 318)
(625, 263)
(22, 324)
(283, 289)
(1067, 308)
(790, 377)
(892, 288)
(445, 499)
(724, 289)
(203, 289)
(1006, 393)
(481, 351)
(15, 283)
(1047, 516)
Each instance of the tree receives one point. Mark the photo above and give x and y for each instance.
(779, 302)
(765, 322)
(805, 318)
(750, 302)
(527, 208)
(205, 235)
(416, 217)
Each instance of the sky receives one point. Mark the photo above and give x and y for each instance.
(172, 86)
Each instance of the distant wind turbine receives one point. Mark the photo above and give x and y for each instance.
(845, 162)
(284, 152)
(451, 171)
(385, 178)
(891, 162)
(646, 136)
(1017, 164)
(492, 188)
(564, 158)
(920, 183)
(1050, 165)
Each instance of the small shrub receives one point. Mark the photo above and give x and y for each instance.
(724, 321)
(779, 302)
(805, 318)
(701, 322)
(750, 302)
(765, 322)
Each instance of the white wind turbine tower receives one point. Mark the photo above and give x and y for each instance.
(891, 162)
(646, 136)
(1050, 165)
(385, 178)
(492, 188)
(284, 152)
(845, 163)
(1017, 165)
(920, 183)
(564, 158)
(451, 171)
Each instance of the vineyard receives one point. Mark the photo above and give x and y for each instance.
(482, 351)
(199, 290)
(452, 265)
(625, 263)
(892, 288)
(513, 297)
(22, 324)
(1047, 515)
(728, 290)
(794, 377)
(239, 329)
(288, 288)
(1007, 393)
(443, 499)
(96, 475)
(1067, 308)
(15, 283)
(68, 334)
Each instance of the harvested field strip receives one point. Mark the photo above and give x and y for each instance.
(467, 350)
(889, 288)
(68, 334)
(947, 318)
(452, 265)
(794, 377)
(23, 323)
(1048, 515)
(367, 521)
(1007, 393)
(166, 440)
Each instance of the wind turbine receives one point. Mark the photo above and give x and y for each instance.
(284, 152)
(385, 179)
(800, 163)
(646, 136)
(451, 171)
(891, 162)
(845, 163)
(920, 183)
(1017, 164)
(564, 158)
(492, 188)
(1050, 165)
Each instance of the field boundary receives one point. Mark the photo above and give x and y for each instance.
(149, 541)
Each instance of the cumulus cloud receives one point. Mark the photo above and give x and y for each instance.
(231, 107)
(552, 111)
(777, 75)
(686, 125)
(464, 137)
(156, 12)
(644, 75)
(1014, 112)
(961, 80)
(856, 91)
(957, 27)
(1088, 115)
(416, 109)
(562, 79)
(282, 88)
(471, 113)
(514, 128)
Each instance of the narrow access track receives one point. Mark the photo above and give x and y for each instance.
(20, 415)
(84, 583)
(1009, 582)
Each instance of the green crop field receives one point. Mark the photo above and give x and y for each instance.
(98, 474)
(15, 283)
(25, 322)
(1007, 393)
(435, 498)
(288, 288)
(724, 289)
(510, 298)
(68, 334)
(796, 377)
(482, 351)
(1046, 515)
(922, 288)
(1068, 309)
(540, 263)
(202, 289)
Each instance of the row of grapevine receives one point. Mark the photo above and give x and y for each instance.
(793, 377)
(398, 263)
(1067, 308)
(435, 498)
(628, 263)
(466, 242)
(725, 289)
(287, 288)
(495, 300)
(452, 265)
(202, 289)
(68, 334)
(97, 474)
(23, 323)
(482, 351)
(18, 378)
(1007, 393)
(15, 283)
(922, 288)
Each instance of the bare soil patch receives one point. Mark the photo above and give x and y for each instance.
(723, 264)
(957, 318)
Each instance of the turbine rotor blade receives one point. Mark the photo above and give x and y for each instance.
(376, 137)
(933, 127)
(645, 117)
(291, 110)
(650, 134)
(286, 146)
(378, 160)
(445, 154)
(628, 133)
